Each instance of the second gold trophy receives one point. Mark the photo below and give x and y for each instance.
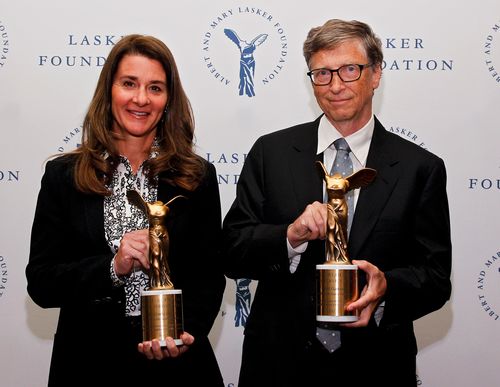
(161, 304)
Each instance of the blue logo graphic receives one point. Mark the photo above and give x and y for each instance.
(256, 26)
(247, 61)
(243, 301)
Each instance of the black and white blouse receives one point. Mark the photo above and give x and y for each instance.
(121, 217)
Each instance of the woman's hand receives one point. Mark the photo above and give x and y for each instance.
(153, 350)
(133, 252)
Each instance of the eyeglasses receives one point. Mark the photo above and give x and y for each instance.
(346, 73)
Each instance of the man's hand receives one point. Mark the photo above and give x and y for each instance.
(310, 225)
(370, 296)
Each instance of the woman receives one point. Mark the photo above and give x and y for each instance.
(89, 245)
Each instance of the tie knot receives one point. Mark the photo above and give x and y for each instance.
(341, 144)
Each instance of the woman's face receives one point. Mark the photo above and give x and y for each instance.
(138, 96)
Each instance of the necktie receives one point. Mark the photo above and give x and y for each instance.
(342, 165)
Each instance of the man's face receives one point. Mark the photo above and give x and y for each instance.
(347, 105)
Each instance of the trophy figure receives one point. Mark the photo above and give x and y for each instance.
(337, 286)
(161, 304)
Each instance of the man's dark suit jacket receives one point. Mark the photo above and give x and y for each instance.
(401, 225)
(69, 268)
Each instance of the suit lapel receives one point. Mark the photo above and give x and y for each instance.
(373, 198)
(306, 182)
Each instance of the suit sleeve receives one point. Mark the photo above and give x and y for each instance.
(63, 268)
(253, 245)
(424, 285)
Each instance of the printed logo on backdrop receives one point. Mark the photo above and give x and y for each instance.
(488, 286)
(71, 141)
(245, 49)
(484, 183)
(79, 50)
(3, 276)
(407, 134)
(409, 54)
(9, 176)
(228, 165)
(492, 52)
(4, 44)
(243, 301)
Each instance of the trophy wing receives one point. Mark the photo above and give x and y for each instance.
(361, 178)
(321, 169)
(233, 36)
(174, 198)
(136, 199)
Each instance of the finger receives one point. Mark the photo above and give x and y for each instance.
(137, 252)
(320, 223)
(158, 353)
(361, 302)
(171, 347)
(312, 222)
(363, 320)
(141, 261)
(366, 266)
(187, 339)
(145, 348)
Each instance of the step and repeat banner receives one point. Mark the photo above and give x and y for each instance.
(440, 90)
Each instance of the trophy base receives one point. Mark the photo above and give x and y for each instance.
(162, 315)
(336, 288)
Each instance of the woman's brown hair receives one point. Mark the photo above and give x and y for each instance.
(97, 157)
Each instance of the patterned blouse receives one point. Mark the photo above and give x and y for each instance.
(121, 217)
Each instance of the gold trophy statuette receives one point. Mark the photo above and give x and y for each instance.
(161, 304)
(337, 284)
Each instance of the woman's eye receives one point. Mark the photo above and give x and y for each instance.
(156, 89)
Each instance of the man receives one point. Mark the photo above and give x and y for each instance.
(399, 237)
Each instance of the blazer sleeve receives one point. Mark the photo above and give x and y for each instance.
(424, 285)
(195, 249)
(65, 266)
(253, 245)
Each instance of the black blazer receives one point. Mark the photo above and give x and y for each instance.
(69, 268)
(401, 225)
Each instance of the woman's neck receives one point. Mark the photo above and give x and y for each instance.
(135, 149)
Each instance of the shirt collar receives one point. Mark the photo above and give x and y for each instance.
(359, 141)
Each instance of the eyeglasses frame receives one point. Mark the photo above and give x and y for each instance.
(361, 68)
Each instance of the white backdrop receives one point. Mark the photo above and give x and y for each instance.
(440, 89)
